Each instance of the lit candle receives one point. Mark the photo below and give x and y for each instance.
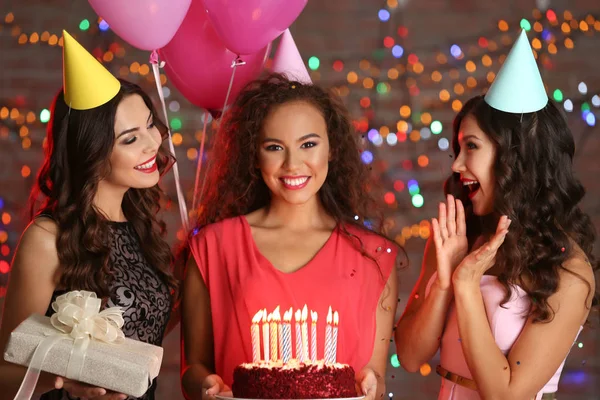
(277, 321)
(287, 335)
(304, 334)
(255, 331)
(328, 337)
(273, 337)
(298, 336)
(313, 336)
(336, 320)
(265, 328)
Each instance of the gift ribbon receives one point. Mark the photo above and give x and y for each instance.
(77, 317)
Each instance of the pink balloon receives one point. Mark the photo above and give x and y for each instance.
(199, 64)
(245, 26)
(145, 24)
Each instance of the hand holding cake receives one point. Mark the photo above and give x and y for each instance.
(366, 382)
(213, 385)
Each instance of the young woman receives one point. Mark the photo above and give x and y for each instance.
(96, 228)
(283, 224)
(506, 315)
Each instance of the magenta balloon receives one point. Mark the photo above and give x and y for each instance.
(199, 64)
(246, 26)
(145, 24)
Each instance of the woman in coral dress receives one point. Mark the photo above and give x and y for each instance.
(284, 225)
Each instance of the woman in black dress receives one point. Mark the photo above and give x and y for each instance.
(96, 228)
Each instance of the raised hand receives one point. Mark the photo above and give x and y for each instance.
(450, 239)
(474, 266)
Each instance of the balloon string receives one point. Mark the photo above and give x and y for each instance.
(183, 213)
(237, 62)
(200, 159)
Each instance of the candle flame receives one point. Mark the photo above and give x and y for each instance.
(313, 316)
(276, 315)
(269, 318)
(264, 315)
(304, 313)
(329, 316)
(336, 318)
(298, 315)
(257, 317)
(287, 316)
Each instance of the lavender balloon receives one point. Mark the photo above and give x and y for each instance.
(145, 24)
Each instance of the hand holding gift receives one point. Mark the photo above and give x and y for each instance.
(82, 390)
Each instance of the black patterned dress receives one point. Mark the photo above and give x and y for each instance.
(140, 292)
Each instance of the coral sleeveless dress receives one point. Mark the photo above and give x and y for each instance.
(241, 281)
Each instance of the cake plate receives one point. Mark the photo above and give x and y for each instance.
(237, 398)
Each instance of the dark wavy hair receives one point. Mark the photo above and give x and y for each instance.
(537, 189)
(234, 183)
(77, 157)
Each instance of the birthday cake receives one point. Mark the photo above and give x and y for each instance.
(293, 380)
(276, 373)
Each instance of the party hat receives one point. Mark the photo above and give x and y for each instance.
(87, 84)
(518, 87)
(288, 60)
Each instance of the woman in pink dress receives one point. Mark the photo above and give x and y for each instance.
(283, 224)
(505, 316)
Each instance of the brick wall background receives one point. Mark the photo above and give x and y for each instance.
(344, 30)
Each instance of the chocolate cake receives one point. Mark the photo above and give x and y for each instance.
(294, 380)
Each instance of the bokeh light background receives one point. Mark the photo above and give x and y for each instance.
(403, 68)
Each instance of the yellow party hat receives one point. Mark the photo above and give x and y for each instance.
(87, 84)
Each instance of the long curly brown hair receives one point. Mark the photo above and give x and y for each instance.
(234, 184)
(537, 189)
(77, 154)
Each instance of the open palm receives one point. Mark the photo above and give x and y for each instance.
(482, 259)
(450, 239)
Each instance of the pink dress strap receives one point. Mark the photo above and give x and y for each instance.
(506, 322)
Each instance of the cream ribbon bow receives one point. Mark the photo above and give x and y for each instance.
(78, 314)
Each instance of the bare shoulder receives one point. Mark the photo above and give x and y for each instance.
(41, 233)
(37, 246)
(577, 271)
